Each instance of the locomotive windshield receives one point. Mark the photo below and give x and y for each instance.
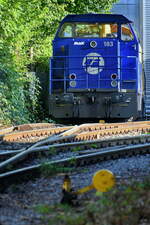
(88, 30)
(95, 30)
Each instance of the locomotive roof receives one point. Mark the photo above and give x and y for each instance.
(102, 18)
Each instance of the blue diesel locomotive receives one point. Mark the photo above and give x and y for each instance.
(96, 68)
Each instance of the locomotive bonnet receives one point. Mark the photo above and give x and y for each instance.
(96, 68)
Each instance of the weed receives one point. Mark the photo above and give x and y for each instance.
(52, 151)
(94, 145)
(76, 149)
(43, 209)
(9, 167)
(49, 170)
(72, 161)
(127, 205)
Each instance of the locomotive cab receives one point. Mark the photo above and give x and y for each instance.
(96, 68)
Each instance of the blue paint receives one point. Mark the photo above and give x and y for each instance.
(93, 67)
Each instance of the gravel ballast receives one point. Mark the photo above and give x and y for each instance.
(18, 201)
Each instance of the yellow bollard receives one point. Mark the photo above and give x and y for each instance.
(66, 184)
(103, 181)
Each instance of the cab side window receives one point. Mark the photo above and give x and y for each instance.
(66, 30)
(126, 33)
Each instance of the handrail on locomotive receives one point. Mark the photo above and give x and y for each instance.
(66, 79)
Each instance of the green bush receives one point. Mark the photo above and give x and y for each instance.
(27, 29)
(18, 94)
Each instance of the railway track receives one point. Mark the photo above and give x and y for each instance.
(85, 141)
(79, 146)
(18, 175)
(15, 134)
(21, 132)
(6, 129)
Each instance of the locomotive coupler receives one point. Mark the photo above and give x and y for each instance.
(76, 100)
(103, 181)
(91, 97)
(107, 100)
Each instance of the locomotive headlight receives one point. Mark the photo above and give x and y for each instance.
(114, 83)
(114, 76)
(72, 76)
(93, 44)
(72, 83)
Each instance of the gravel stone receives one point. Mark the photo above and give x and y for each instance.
(18, 202)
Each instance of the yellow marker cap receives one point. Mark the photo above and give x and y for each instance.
(103, 180)
(101, 121)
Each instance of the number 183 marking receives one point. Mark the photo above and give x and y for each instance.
(108, 43)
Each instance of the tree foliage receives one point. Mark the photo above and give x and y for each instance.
(88, 6)
(26, 32)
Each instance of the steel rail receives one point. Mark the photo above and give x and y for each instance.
(5, 131)
(33, 130)
(72, 134)
(20, 156)
(16, 136)
(31, 126)
(94, 132)
(24, 127)
(33, 171)
(93, 144)
(109, 132)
